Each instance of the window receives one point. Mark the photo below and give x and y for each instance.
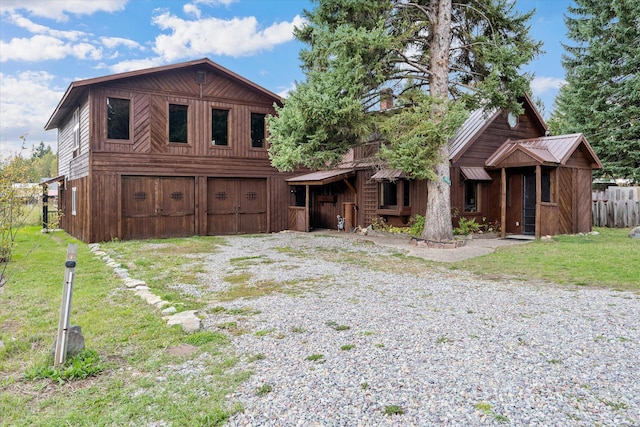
(257, 130)
(471, 196)
(406, 198)
(118, 111)
(547, 184)
(178, 123)
(219, 127)
(74, 193)
(388, 195)
(76, 129)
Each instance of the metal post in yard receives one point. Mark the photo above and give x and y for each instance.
(65, 311)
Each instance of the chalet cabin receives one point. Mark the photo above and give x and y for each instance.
(171, 151)
(504, 171)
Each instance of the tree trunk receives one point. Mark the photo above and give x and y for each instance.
(437, 225)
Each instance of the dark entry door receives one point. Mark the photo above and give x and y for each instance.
(236, 205)
(157, 207)
(529, 204)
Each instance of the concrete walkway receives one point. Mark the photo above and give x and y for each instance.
(473, 248)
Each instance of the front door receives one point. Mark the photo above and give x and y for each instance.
(529, 204)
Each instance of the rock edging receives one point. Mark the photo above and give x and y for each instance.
(188, 320)
(423, 243)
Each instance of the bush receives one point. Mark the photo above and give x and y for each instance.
(466, 226)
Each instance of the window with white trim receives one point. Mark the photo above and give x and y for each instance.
(76, 129)
(74, 193)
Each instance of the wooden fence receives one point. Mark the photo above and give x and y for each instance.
(616, 207)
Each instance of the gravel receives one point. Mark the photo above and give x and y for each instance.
(438, 348)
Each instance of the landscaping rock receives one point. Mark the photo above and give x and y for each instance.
(134, 283)
(635, 233)
(187, 319)
(75, 341)
(169, 310)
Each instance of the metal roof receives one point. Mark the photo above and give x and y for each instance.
(470, 130)
(475, 174)
(388, 174)
(321, 177)
(545, 149)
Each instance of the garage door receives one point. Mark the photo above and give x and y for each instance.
(157, 207)
(236, 206)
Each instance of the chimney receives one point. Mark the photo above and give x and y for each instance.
(386, 99)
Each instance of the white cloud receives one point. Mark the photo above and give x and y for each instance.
(234, 37)
(34, 28)
(191, 9)
(60, 9)
(113, 42)
(42, 48)
(27, 103)
(541, 85)
(135, 64)
(216, 2)
(285, 92)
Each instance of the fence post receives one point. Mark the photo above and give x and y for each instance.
(65, 311)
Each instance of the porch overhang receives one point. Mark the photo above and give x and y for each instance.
(322, 177)
(388, 175)
(475, 173)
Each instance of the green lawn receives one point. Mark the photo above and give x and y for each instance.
(138, 386)
(610, 259)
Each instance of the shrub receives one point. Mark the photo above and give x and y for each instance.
(466, 226)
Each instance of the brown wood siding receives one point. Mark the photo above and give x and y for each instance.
(104, 208)
(565, 201)
(582, 192)
(549, 219)
(495, 135)
(76, 225)
(149, 124)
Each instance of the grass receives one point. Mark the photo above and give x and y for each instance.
(126, 376)
(603, 260)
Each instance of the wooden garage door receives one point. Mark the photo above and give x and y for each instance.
(236, 206)
(157, 207)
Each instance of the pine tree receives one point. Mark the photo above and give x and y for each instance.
(440, 59)
(602, 96)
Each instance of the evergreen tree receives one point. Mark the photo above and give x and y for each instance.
(440, 60)
(602, 96)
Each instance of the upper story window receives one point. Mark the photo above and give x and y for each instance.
(118, 118)
(178, 123)
(257, 130)
(76, 129)
(219, 127)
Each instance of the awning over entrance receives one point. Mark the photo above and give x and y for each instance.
(322, 177)
(475, 174)
(388, 174)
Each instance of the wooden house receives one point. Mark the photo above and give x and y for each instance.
(176, 150)
(505, 170)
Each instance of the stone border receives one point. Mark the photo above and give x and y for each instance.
(451, 244)
(188, 320)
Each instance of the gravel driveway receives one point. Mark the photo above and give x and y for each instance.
(352, 343)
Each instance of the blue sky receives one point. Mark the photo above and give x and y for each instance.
(47, 44)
